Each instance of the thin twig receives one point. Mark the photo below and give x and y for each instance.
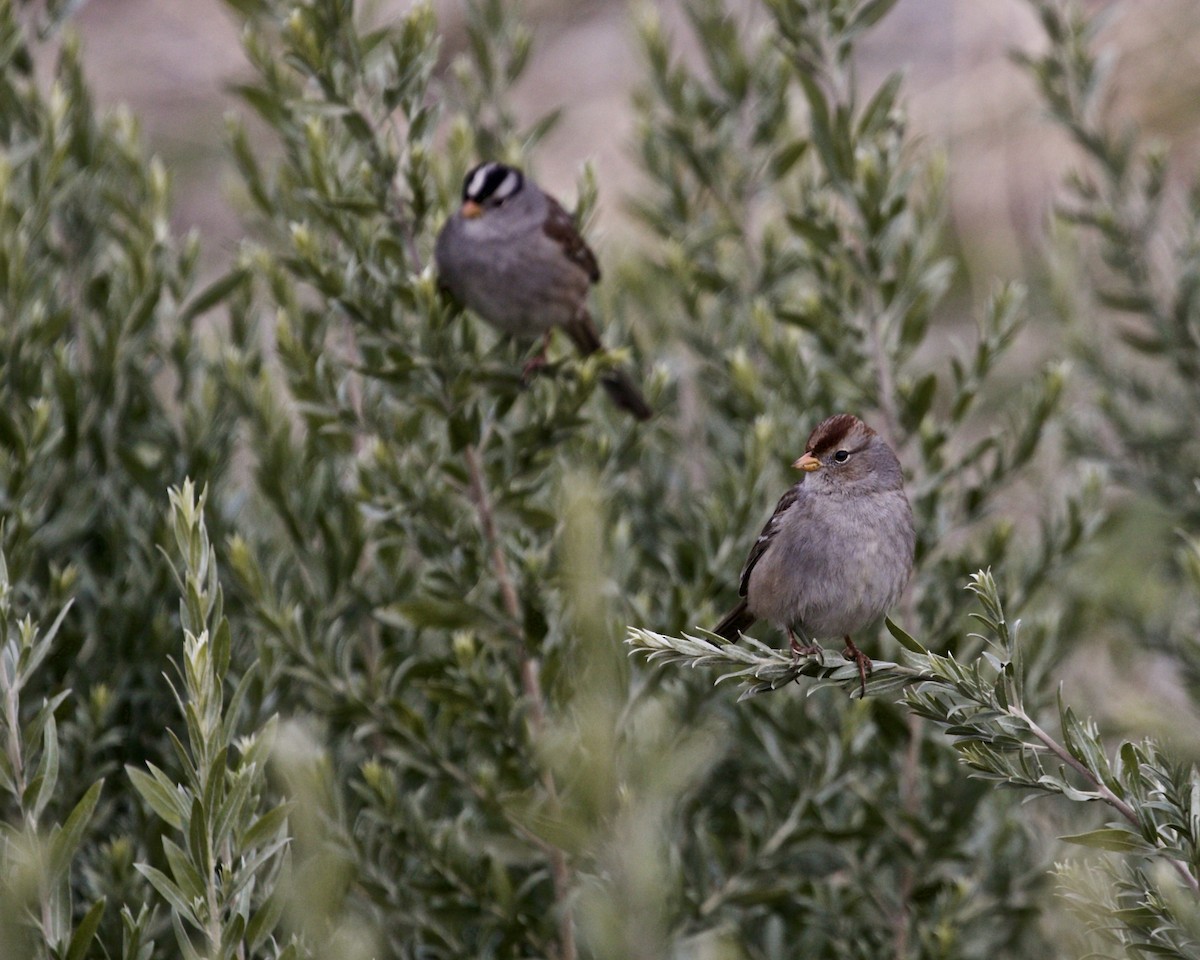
(13, 746)
(1103, 790)
(487, 522)
(531, 685)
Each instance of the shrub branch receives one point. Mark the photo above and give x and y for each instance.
(981, 705)
(531, 684)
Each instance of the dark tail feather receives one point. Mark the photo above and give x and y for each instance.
(734, 622)
(621, 390)
(583, 333)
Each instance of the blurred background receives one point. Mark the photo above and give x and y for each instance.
(172, 62)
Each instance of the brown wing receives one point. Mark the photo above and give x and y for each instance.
(768, 534)
(560, 228)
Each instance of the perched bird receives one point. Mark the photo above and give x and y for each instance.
(838, 550)
(513, 255)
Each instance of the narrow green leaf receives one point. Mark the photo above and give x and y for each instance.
(220, 289)
(875, 115)
(47, 772)
(234, 708)
(820, 127)
(264, 921)
(65, 841)
(166, 802)
(903, 638)
(199, 845)
(181, 907)
(267, 826)
(869, 14)
(189, 877)
(1109, 838)
(787, 157)
(217, 782)
(920, 399)
(431, 612)
(222, 642)
(85, 931)
(184, 941)
(229, 813)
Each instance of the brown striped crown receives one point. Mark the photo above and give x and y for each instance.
(832, 434)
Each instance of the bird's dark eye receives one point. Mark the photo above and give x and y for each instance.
(842, 456)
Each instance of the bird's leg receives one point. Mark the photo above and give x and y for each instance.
(864, 662)
(537, 361)
(802, 649)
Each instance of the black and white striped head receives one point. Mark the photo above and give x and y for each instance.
(488, 186)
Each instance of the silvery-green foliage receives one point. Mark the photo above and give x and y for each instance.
(1132, 302)
(413, 585)
(105, 400)
(405, 480)
(799, 233)
(433, 563)
(224, 841)
(797, 271)
(40, 914)
(1148, 897)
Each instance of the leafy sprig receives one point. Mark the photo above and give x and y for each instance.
(226, 841)
(981, 706)
(37, 893)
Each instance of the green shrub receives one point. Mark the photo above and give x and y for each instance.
(414, 730)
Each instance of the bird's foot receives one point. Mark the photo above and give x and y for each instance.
(853, 654)
(532, 366)
(803, 649)
(536, 362)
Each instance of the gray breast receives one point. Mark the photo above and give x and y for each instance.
(503, 267)
(825, 574)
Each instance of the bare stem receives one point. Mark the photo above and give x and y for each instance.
(13, 746)
(487, 521)
(531, 685)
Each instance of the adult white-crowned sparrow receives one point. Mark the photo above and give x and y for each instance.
(513, 255)
(838, 550)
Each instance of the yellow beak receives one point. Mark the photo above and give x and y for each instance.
(471, 210)
(808, 463)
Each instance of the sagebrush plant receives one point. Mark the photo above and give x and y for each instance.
(422, 492)
(225, 841)
(1134, 319)
(434, 563)
(105, 399)
(40, 916)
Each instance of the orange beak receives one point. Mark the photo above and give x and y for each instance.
(471, 210)
(808, 463)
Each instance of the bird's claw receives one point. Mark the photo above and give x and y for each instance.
(532, 366)
(854, 655)
(802, 649)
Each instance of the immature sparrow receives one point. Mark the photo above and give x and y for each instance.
(513, 255)
(838, 550)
